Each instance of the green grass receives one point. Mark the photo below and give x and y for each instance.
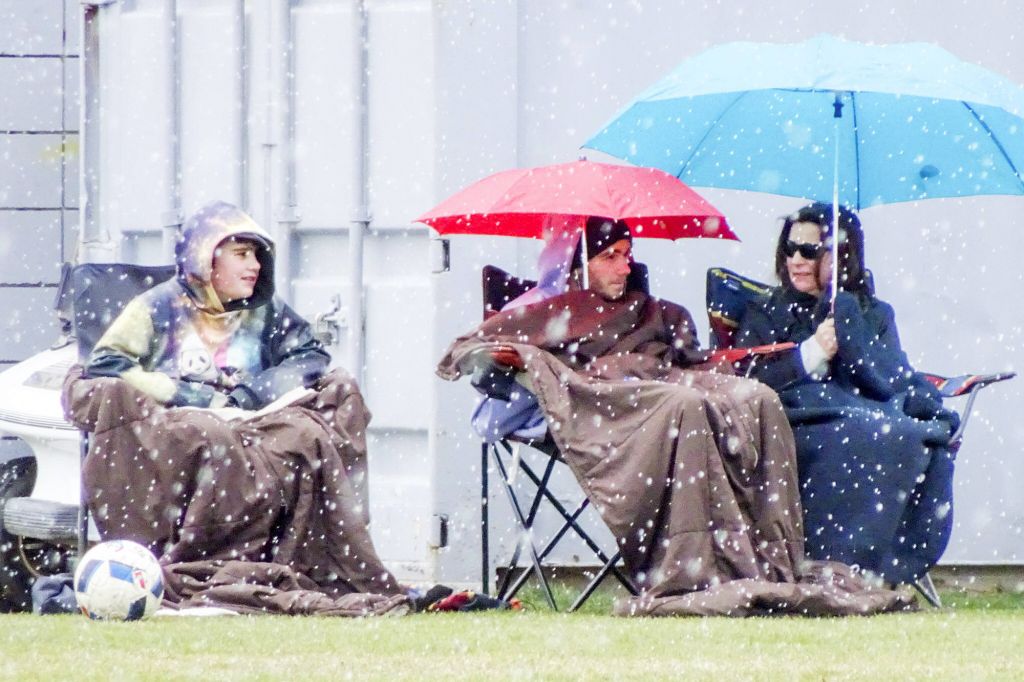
(976, 636)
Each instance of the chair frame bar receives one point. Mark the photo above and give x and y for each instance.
(509, 588)
(926, 587)
(525, 531)
(83, 498)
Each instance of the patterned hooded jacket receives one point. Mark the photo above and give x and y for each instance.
(180, 344)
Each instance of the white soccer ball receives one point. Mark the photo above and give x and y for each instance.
(119, 580)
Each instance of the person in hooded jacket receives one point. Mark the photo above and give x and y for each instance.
(267, 512)
(872, 436)
(215, 335)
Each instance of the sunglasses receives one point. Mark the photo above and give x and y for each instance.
(808, 251)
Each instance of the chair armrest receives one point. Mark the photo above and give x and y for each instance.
(964, 385)
(494, 381)
(736, 354)
(952, 387)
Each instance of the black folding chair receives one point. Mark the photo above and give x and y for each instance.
(45, 536)
(90, 298)
(728, 295)
(499, 287)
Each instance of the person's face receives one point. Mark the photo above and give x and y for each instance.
(235, 270)
(807, 273)
(609, 269)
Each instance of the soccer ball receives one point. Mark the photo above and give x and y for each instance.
(119, 580)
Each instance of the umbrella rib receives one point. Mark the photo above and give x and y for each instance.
(856, 146)
(711, 127)
(995, 141)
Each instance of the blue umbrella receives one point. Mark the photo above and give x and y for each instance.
(914, 122)
(826, 119)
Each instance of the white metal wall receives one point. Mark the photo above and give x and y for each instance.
(458, 89)
(38, 171)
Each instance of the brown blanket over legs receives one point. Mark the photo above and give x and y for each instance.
(287, 489)
(693, 472)
(258, 587)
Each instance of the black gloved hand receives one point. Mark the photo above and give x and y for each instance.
(241, 397)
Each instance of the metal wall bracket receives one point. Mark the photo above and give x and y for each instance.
(440, 256)
(327, 325)
(438, 531)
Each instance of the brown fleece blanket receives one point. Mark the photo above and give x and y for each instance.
(253, 515)
(694, 472)
(260, 587)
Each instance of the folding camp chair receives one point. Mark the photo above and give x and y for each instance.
(729, 294)
(499, 288)
(38, 535)
(91, 297)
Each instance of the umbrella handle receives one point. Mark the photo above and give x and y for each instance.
(837, 115)
(583, 253)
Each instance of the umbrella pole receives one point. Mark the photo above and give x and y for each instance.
(585, 258)
(838, 114)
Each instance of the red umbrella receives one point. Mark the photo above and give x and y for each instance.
(521, 202)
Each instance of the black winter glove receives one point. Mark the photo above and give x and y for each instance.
(241, 396)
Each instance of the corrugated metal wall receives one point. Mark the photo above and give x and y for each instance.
(39, 48)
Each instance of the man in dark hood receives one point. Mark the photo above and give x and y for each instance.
(214, 335)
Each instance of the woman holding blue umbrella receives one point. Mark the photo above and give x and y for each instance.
(872, 436)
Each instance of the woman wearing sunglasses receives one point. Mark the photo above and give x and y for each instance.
(874, 467)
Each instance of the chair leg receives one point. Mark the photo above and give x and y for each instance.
(595, 581)
(508, 588)
(485, 549)
(927, 589)
(83, 499)
(526, 529)
(521, 580)
(571, 522)
(525, 537)
(608, 564)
